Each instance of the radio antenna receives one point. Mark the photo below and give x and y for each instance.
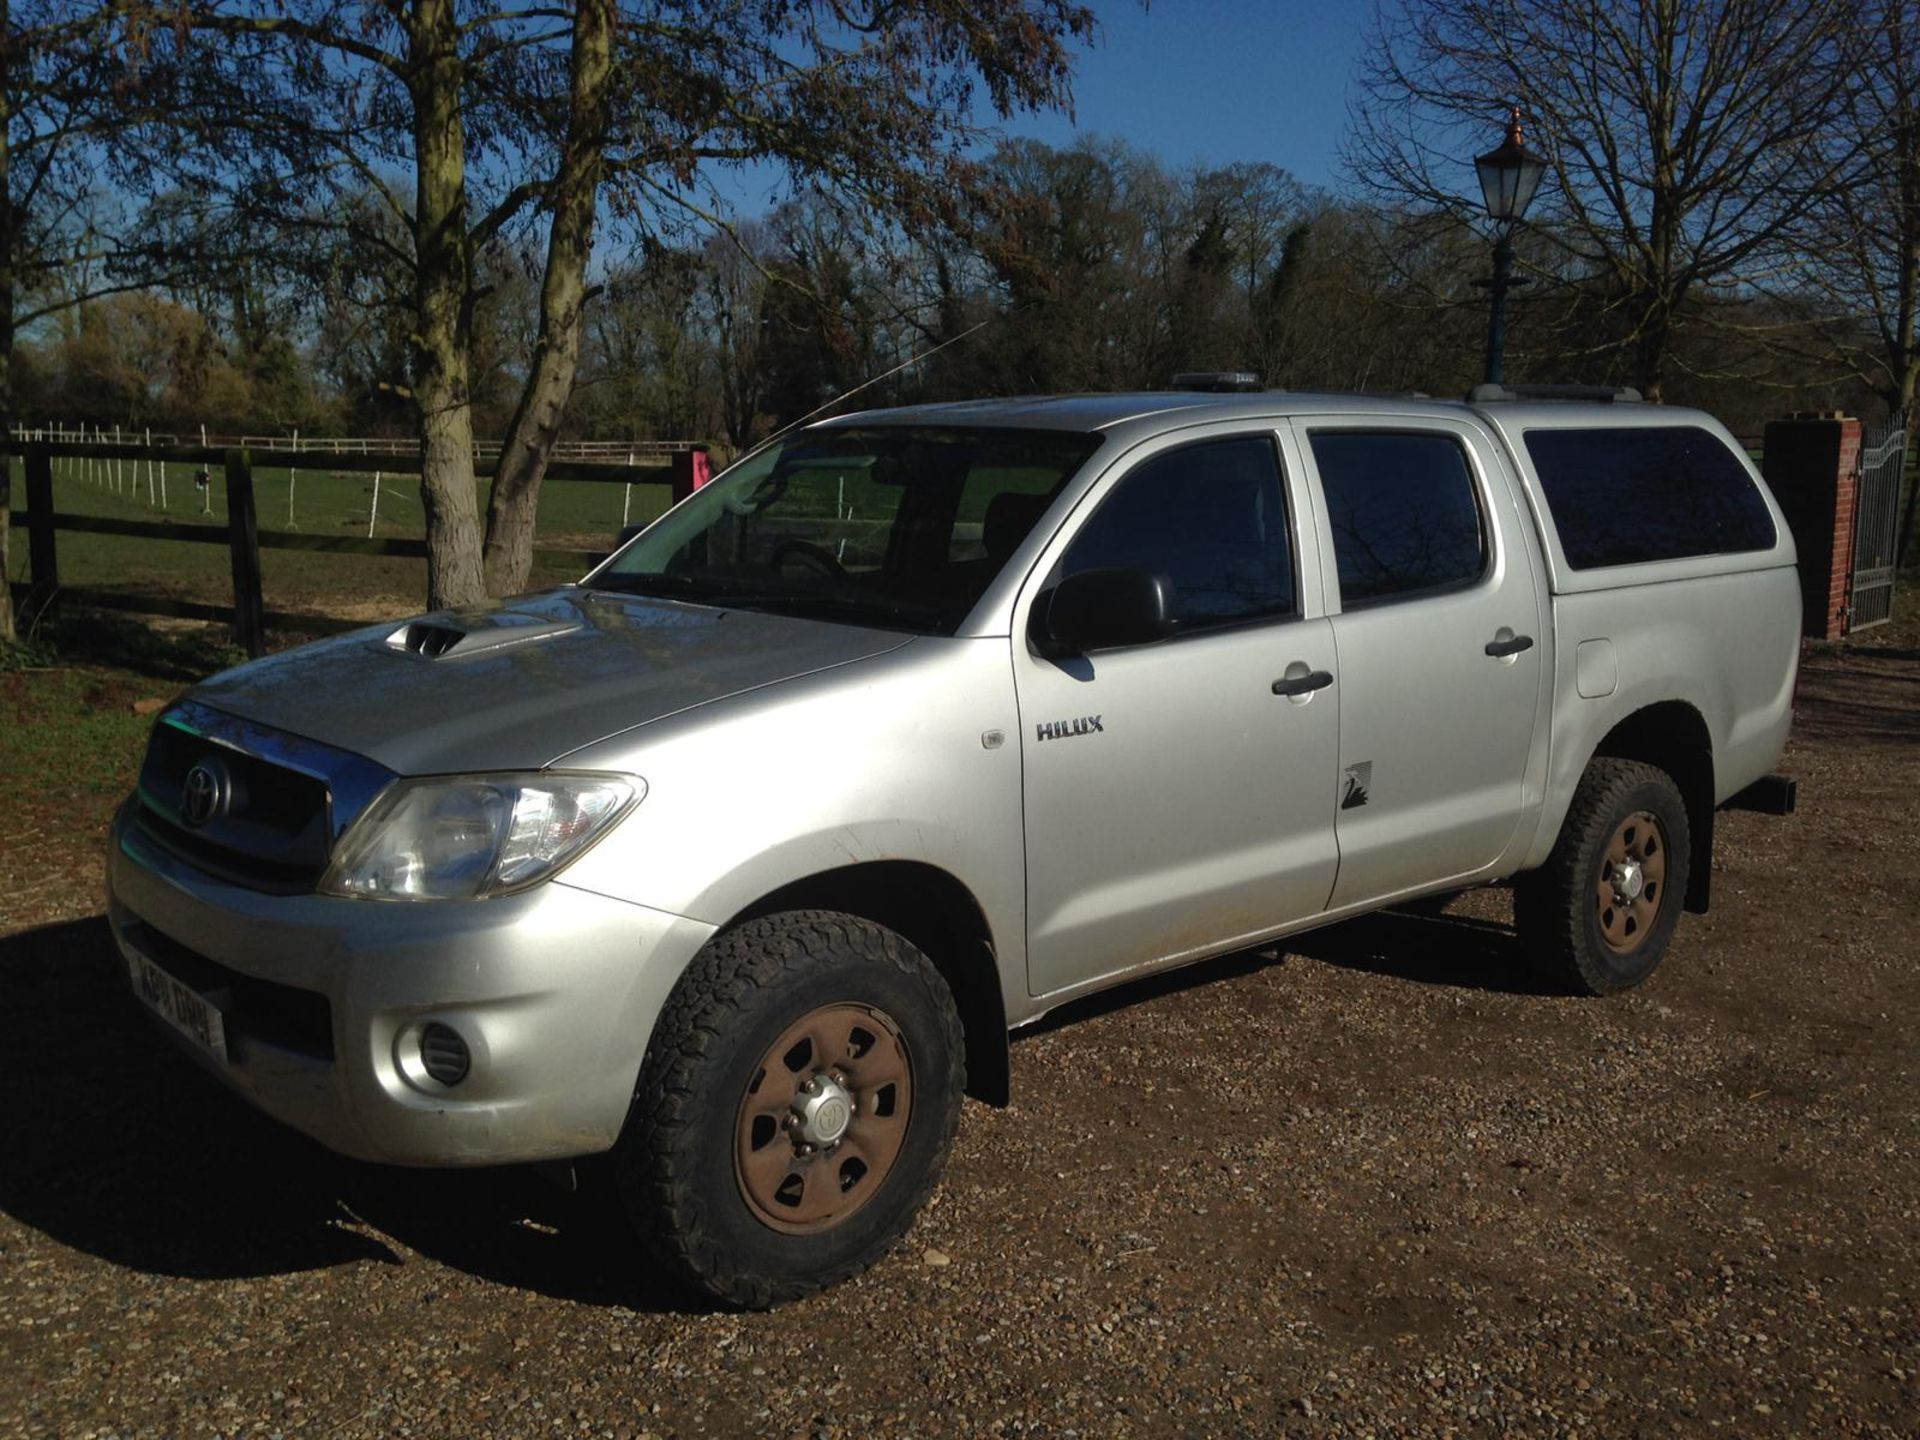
(906, 364)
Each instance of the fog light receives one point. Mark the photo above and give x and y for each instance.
(443, 1054)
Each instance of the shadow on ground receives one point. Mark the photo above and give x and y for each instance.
(183, 653)
(1419, 944)
(1432, 949)
(117, 1145)
(1883, 652)
(1859, 703)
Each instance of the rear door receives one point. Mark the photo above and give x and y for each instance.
(1441, 636)
(1174, 800)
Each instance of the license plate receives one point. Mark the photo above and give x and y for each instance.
(180, 1005)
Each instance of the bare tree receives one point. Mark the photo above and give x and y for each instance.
(1373, 298)
(1858, 248)
(477, 126)
(647, 358)
(734, 291)
(62, 103)
(1687, 137)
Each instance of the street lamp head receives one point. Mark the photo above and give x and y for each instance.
(1510, 173)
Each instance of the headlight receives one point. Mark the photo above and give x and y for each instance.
(467, 836)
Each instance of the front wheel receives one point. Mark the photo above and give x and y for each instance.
(798, 1101)
(1603, 908)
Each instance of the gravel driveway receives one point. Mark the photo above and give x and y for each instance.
(1368, 1184)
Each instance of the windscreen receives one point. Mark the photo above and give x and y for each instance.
(890, 526)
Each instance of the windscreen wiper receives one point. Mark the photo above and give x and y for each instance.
(874, 606)
(705, 590)
(644, 584)
(700, 589)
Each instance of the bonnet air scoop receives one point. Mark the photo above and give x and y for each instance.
(453, 640)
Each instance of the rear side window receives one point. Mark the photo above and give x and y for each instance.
(1667, 492)
(1405, 517)
(1212, 518)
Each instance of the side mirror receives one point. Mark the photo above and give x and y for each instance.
(1103, 610)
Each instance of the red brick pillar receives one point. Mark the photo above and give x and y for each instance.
(1812, 465)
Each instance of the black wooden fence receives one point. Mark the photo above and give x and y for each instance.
(243, 537)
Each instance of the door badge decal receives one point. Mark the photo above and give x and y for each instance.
(1359, 780)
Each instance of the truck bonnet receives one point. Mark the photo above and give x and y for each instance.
(519, 683)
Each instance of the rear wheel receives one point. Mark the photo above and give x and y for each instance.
(796, 1107)
(1603, 908)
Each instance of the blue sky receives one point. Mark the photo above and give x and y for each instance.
(1219, 80)
(1195, 80)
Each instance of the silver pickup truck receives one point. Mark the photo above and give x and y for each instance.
(740, 858)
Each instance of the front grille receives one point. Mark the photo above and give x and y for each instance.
(254, 872)
(285, 1016)
(270, 833)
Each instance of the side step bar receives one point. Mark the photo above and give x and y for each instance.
(1770, 795)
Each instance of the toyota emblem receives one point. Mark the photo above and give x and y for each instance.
(204, 795)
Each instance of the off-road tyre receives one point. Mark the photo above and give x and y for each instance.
(1560, 909)
(675, 1164)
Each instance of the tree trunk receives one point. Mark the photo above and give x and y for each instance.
(513, 506)
(7, 631)
(1651, 348)
(1903, 357)
(443, 304)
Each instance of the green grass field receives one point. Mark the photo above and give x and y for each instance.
(574, 514)
(579, 515)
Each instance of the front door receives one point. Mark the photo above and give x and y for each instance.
(1175, 800)
(1441, 638)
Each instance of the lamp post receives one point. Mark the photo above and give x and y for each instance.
(1509, 174)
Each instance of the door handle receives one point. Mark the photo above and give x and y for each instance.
(1500, 649)
(1303, 684)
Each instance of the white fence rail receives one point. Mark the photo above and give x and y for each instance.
(597, 452)
(143, 480)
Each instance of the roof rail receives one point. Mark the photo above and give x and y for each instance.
(1219, 382)
(1596, 394)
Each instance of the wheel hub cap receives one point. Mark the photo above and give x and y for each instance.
(823, 1117)
(1628, 881)
(824, 1109)
(1630, 887)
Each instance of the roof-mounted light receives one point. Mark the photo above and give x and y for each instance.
(1218, 382)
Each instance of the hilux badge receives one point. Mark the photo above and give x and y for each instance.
(204, 794)
(1066, 729)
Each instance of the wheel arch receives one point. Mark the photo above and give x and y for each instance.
(934, 910)
(1673, 735)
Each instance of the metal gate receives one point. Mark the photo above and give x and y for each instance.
(1883, 457)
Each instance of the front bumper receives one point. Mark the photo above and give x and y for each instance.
(555, 991)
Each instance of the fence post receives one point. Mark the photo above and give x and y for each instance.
(682, 481)
(691, 470)
(243, 541)
(1910, 477)
(42, 557)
